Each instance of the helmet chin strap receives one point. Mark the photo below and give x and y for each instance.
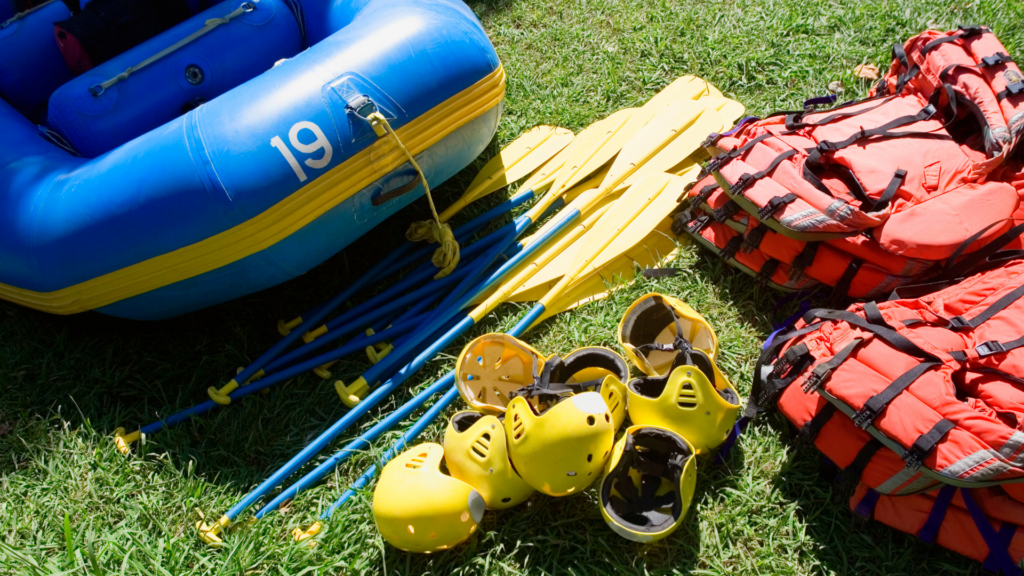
(549, 393)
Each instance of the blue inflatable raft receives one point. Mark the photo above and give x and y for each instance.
(224, 155)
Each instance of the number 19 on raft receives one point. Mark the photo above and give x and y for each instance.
(320, 143)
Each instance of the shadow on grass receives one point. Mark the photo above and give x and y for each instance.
(112, 372)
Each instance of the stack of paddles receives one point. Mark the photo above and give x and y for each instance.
(549, 425)
(877, 193)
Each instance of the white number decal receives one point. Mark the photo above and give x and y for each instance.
(321, 143)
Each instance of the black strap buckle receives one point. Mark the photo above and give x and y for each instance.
(864, 417)
(929, 111)
(913, 457)
(995, 59)
(971, 30)
(813, 381)
(959, 323)
(826, 146)
(1015, 88)
(989, 348)
(730, 249)
(699, 224)
(741, 184)
(769, 210)
(711, 140)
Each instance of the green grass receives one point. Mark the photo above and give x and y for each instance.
(70, 504)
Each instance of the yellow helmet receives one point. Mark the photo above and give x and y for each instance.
(563, 449)
(686, 402)
(494, 368)
(418, 508)
(657, 327)
(476, 453)
(648, 484)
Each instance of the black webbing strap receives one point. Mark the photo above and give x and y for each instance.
(965, 32)
(874, 315)
(823, 371)
(795, 121)
(764, 275)
(990, 348)
(702, 196)
(726, 211)
(911, 71)
(731, 248)
(767, 384)
(826, 146)
(995, 60)
(961, 323)
(548, 392)
(724, 158)
(848, 479)
(803, 260)
(1015, 89)
(883, 201)
(746, 180)
(774, 205)
(867, 414)
(955, 269)
(698, 225)
(925, 443)
(810, 430)
(753, 239)
(655, 463)
(890, 336)
(842, 287)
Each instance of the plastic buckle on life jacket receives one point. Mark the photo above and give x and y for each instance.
(769, 209)
(815, 379)
(730, 249)
(699, 224)
(864, 417)
(972, 30)
(913, 457)
(995, 60)
(741, 184)
(711, 140)
(989, 348)
(959, 323)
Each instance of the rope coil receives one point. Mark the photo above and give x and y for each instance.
(446, 257)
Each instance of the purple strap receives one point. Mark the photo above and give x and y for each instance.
(867, 504)
(805, 305)
(998, 555)
(1006, 532)
(741, 124)
(937, 515)
(730, 441)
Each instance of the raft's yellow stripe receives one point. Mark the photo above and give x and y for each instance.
(276, 223)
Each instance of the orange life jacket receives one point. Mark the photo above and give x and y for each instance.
(911, 395)
(876, 193)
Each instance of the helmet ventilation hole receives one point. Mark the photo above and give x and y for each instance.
(590, 457)
(416, 462)
(591, 420)
(469, 377)
(607, 417)
(687, 396)
(570, 473)
(506, 500)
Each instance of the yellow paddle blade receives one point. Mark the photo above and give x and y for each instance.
(656, 250)
(677, 150)
(633, 236)
(513, 163)
(682, 88)
(545, 255)
(653, 251)
(616, 134)
(591, 142)
(688, 140)
(664, 127)
(619, 217)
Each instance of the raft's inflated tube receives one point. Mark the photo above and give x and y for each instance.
(257, 185)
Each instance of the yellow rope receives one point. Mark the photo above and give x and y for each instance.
(446, 257)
